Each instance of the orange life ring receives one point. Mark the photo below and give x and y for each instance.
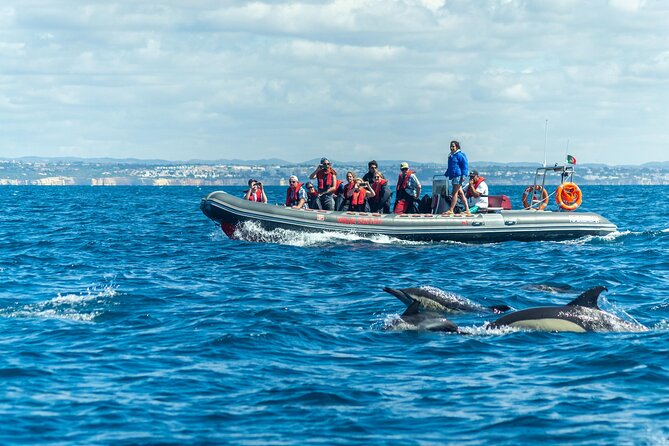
(530, 190)
(568, 196)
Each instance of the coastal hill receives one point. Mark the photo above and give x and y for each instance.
(234, 172)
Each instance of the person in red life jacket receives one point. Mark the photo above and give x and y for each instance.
(359, 195)
(312, 196)
(339, 194)
(408, 190)
(327, 183)
(296, 196)
(372, 167)
(345, 204)
(382, 194)
(255, 192)
(476, 192)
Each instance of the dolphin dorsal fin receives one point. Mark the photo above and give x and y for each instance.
(412, 309)
(588, 298)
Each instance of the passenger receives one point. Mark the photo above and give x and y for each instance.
(345, 204)
(339, 194)
(457, 171)
(476, 192)
(359, 196)
(312, 196)
(408, 190)
(327, 183)
(372, 167)
(296, 196)
(255, 192)
(382, 194)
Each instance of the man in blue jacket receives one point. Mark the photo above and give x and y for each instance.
(458, 169)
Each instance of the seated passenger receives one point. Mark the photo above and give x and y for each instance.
(255, 192)
(296, 196)
(476, 192)
(312, 196)
(339, 194)
(359, 195)
(372, 167)
(408, 190)
(382, 195)
(345, 204)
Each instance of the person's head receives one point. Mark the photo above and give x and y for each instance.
(378, 176)
(251, 181)
(473, 175)
(372, 165)
(455, 146)
(254, 184)
(404, 166)
(310, 187)
(350, 176)
(325, 163)
(293, 181)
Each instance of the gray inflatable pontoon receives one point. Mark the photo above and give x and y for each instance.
(497, 226)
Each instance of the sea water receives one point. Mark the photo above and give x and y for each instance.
(129, 318)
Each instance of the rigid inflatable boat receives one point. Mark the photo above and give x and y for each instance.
(497, 225)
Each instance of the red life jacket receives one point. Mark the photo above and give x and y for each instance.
(257, 196)
(377, 189)
(325, 179)
(348, 187)
(358, 197)
(339, 182)
(476, 184)
(293, 195)
(402, 183)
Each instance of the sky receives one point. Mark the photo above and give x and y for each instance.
(347, 79)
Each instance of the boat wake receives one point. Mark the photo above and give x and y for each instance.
(84, 307)
(253, 232)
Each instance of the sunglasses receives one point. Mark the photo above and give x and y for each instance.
(293, 181)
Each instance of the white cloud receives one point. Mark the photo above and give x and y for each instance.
(285, 79)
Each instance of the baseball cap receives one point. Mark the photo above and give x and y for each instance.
(404, 165)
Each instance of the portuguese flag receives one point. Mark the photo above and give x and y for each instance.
(571, 159)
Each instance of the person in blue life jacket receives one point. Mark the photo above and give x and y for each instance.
(296, 196)
(457, 171)
(408, 190)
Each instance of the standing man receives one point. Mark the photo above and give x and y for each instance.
(458, 169)
(476, 192)
(408, 190)
(327, 183)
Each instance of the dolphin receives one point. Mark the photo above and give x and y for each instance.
(436, 300)
(580, 315)
(554, 288)
(425, 321)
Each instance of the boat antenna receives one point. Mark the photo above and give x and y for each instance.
(545, 141)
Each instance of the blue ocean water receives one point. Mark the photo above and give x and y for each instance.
(128, 317)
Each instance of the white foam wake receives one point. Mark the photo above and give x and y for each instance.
(84, 306)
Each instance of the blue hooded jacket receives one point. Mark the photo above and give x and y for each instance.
(458, 166)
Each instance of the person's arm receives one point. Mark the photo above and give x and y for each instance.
(264, 197)
(369, 191)
(247, 194)
(314, 173)
(471, 187)
(302, 195)
(418, 186)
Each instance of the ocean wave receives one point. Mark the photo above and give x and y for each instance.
(83, 307)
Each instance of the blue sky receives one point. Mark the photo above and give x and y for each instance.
(347, 79)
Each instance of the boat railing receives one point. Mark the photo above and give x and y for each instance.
(537, 194)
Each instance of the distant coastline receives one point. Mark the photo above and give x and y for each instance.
(135, 172)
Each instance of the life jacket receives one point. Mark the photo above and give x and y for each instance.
(402, 183)
(257, 196)
(358, 198)
(476, 184)
(377, 189)
(293, 195)
(325, 179)
(348, 187)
